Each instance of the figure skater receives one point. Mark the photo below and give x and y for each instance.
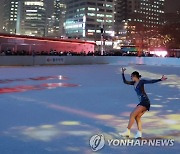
(144, 104)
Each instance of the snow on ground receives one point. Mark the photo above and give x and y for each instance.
(56, 109)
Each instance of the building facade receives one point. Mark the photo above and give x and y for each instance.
(25, 17)
(59, 15)
(87, 18)
(146, 14)
(10, 9)
(31, 18)
(55, 23)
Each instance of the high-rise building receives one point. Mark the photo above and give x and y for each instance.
(31, 18)
(87, 18)
(10, 9)
(55, 23)
(147, 13)
(59, 15)
(50, 32)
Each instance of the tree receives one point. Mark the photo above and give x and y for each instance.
(171, 35)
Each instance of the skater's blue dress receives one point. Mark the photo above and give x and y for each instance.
(139, 88)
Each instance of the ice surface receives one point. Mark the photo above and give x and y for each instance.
(57, 109)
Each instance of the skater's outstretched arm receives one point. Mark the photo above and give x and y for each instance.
(154, 81)
(124, 79)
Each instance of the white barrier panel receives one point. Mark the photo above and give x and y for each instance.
(16, 60)
(80, 60)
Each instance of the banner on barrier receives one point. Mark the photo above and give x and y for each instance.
(55, 60)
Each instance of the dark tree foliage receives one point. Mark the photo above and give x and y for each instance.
(172, 31)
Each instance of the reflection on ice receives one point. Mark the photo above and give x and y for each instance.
(24, 88)
(157, 106)
(48, 132)
(60, 77)
(157, 99)
(176, 98)
(170, 121)
(43, 134)
(69, 123)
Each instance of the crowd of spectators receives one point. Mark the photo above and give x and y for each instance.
(71, 53)
(60, 53)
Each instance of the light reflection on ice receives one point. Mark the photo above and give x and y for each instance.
(157, 106)
(152, 120)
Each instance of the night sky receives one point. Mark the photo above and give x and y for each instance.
(170, 6)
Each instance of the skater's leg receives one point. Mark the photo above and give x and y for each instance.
(139, 109)
(139, 124)
(138, 120)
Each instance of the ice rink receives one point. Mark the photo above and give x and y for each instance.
(56, 109)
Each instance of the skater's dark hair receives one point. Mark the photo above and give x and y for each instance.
(136, 74)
